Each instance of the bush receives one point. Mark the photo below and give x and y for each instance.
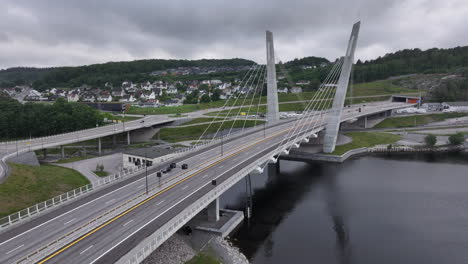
(430, 140)
(456, 139)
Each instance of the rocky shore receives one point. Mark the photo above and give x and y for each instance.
(177, 250)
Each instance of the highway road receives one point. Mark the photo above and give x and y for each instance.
(181, 187)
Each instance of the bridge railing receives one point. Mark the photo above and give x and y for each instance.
(39, 208)
(153, 241)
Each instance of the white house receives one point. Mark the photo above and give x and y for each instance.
(127, 99)
(151, 156)
(89, 98)
(303, 82)
(73, 97)
(104, 97)
(172, 90)
(215, 82)
(296, 90)
(284, 90)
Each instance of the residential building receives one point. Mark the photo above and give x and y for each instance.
(127, 99)
(296, 90)
(283, 90)
(73, 97)
(104, 96)
(150, 156)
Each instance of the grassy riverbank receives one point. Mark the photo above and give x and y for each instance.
(365, 139)
(416, 120)
(28, 185)
(176, 134)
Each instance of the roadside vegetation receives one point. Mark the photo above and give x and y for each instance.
(176, 134)
(456, 139)
(430, 140)
(416, 120)
(202, 120)
(366, 139)
(28, 185)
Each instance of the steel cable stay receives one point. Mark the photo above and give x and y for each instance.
(322, 103)
(322, 91)
(312, 100)
(235, 102)
(248, 73)
(245, 98)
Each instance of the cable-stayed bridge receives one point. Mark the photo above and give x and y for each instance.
(121, 222)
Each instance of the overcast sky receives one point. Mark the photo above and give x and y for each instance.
(75, 32)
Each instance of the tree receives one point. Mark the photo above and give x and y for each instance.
(456, 139)
(203, 87)
(205, 98)
(430, 140)
(216, 95)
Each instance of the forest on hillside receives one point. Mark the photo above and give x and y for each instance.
(408, 61)
(36, 120)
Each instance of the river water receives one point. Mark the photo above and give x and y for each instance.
(385, 209)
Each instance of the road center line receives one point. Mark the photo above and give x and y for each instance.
(69, 221)
(86, 249)
(15, 249)
(185, 187)
(161, 202)
(204, 176)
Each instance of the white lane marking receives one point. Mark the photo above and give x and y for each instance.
(104, 195)
(128, 222)
(204, 176)
(108, 202)
(140, 186)
(69, 221)
(161, 202)
(14, 249)
(186, 186)
(221, 166)
(86, 249)
(143, 226)
(100, 197)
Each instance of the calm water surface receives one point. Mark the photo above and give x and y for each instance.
(390, 209)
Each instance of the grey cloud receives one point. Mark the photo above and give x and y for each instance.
(57, 32)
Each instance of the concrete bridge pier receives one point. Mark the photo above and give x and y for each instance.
(62, 151)
(99, 146)
(213, 211)
(114, 140)
(128, 138)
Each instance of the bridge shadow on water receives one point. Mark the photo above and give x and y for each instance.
(275, 196)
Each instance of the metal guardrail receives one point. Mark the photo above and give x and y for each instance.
(152, 242)
(39, 208)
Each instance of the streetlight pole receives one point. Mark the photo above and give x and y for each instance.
(222, 143)
(146, 169)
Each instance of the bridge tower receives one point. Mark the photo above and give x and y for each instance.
(331, 132)
(272, 90)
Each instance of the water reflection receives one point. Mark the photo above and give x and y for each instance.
(335, 210)
(271, 203)
(387, 209)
